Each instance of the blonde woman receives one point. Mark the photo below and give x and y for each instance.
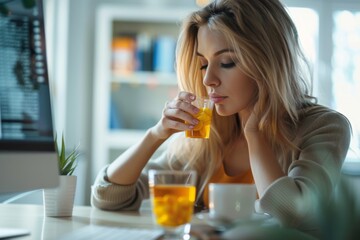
(267, 129)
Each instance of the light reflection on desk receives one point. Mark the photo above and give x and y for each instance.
(32, 217)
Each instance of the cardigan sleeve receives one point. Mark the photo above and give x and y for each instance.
(323, 141)
(110, 196)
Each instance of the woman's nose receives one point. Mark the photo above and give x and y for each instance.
(210, 78)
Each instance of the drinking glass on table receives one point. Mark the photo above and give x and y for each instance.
(202, 129)
(172, 198)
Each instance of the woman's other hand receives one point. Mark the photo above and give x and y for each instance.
(251, 124)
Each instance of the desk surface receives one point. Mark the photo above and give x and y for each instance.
(32, 217)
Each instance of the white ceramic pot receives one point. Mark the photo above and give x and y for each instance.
(59, 202)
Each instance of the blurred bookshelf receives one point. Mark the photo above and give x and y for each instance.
(133, 74)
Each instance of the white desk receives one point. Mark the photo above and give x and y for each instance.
(32, 217)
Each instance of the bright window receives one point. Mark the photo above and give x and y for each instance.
(307, 24)
(346, 72)
(344, 92)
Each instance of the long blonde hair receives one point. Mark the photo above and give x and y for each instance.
(265, 41)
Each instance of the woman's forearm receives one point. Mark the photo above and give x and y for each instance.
(127, 167)
(264, 165)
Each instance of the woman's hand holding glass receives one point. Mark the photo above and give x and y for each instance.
(177, 115)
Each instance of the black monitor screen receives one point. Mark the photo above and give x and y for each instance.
(25, 111)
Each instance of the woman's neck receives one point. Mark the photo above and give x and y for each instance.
(236, 161)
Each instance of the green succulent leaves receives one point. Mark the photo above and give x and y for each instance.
(67, 164)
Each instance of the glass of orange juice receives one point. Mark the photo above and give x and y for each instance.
(172, 196)
(202, 129)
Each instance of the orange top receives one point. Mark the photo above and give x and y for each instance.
(221, 177)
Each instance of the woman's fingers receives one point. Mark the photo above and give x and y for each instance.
(175, 124)
(178, 113)
(186, 97)
(252, 122)
(178, 107)
(179, 119)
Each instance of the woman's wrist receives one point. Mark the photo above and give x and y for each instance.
(252, 134)
(155, 135)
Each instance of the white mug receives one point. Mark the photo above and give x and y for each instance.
(232, 201)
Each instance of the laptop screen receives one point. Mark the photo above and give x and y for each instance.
(25, 111)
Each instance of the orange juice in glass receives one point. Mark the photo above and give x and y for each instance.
(202, 129)
(172, 198)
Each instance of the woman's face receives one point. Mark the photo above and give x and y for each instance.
(230, 89)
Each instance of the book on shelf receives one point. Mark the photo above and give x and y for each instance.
(142, 52)
(123, 54)
(115, 118)
(164, 53)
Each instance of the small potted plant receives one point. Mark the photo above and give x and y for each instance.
(67, 164)
(59, 202)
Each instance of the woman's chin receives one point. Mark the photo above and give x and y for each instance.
(222, 111)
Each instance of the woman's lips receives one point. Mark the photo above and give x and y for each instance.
(217, 98)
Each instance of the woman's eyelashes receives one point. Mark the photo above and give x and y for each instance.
(228, 65)
(223, 65)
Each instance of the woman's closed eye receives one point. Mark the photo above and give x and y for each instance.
(223, 65)
(228, 65)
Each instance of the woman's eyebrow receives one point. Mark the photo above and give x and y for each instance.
(217, 52)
